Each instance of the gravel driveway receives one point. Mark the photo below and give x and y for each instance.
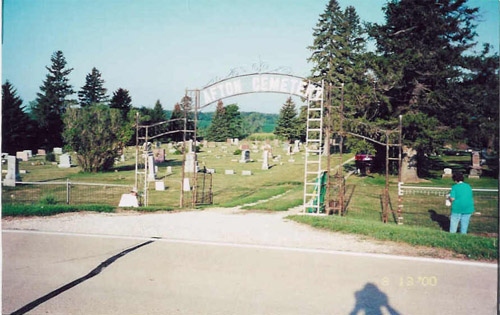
(228, 225)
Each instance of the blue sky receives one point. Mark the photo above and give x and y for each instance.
(158, 48)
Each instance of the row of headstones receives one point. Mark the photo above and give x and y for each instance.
(475, 170)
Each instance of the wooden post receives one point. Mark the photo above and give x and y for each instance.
(341, 168)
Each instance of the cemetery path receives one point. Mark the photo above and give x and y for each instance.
(219, 225)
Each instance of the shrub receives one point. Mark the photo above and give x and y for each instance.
(50, 157)
(237, 152)
(48, 200)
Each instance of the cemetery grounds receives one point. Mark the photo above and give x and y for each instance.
(279, 188)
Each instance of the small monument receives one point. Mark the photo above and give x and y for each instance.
(122, 158)
(169, 170)
(58, 151)
(129, 200)
(236, 141)
(229, 172)
(265, 160)
(246, 173)
(245, 156)
(65, 161)
(22, 155)
(447, 173)
(29, 152)
(41, 152)
(157, 144)
(12, 171)
(159, 185)
(288, 149)
(159, 155)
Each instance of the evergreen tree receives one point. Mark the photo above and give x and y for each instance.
(158, 114)
(337, 49)
(420, 47)
(17, 129)
(93, 92)
(51, 102)
(287, 124)
(234, 120)
(177, 124)
(219, 127)
(122, 101)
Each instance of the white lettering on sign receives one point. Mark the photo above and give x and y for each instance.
(262, 83)
(274, 83)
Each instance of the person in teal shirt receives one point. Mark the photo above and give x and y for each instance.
(462, 204)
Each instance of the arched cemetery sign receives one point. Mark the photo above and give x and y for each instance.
(260, 83)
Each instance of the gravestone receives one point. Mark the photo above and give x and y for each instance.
(170, 145)
(190, 146)
(58, 151)
(447, 173)
(288, 149)
(159, 185)
(276, 142)
(229, 172)
(186, 186)
(159, 155)
(210, 170)
(191, 165)
(265, 160)
(229, 141)
(169, 170)
(296, 147)
(65, 161)
(244, 147)
(12, 171)
(158, 144)
(204, 143)
(151, 166)
(245, 156)
(122, 158)
(41, 152)
(129, 200)
(29, 152)
(23, 156)
(246, 173)
(476, 169)
(236, 141)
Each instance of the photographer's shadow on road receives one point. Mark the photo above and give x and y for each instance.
(442, 220)
(370, 301)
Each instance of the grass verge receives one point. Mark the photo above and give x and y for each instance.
(45, 210)
(475, 247)
(256, 195)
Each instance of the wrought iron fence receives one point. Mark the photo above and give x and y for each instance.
(64, 193)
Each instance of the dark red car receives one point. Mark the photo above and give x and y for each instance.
(364, 162)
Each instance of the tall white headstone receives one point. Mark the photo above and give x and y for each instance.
(151, 167)
(265, 160)
(191, 165)
(12, 171)
(296, 148)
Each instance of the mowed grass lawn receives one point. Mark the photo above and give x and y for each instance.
(281, 188)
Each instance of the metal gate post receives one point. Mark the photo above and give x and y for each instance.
(67, 190)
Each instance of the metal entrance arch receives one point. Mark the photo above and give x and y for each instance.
(269, 82)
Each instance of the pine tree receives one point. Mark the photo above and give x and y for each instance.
(235, 122)
(219, 127)
(93, 92)
(420, 48)
(158, 114)
(177, 125)
(51, 102)
(287, 124)
(338, 45)
(16, 125)
(122, 101)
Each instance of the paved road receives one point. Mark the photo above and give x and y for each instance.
(64, 273)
